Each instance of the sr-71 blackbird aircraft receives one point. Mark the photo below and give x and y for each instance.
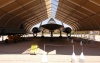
(51, 26)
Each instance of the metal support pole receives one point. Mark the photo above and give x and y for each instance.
(81, 34)
(60, 34)
(2, 38)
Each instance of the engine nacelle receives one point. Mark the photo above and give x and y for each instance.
(35, 30)
(67, 30)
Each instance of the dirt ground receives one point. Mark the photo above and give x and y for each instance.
(58, 50)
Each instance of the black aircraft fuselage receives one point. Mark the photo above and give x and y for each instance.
(51, 26)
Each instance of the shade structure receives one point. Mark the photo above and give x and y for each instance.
(79, 14)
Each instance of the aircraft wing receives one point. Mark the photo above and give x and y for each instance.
(51, 26)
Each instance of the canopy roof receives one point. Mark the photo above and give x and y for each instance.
(79, 14)
(14, 13)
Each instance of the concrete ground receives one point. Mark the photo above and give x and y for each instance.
(58, 51)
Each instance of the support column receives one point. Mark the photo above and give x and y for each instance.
(76, 34)
(42, 34)
(81, 34)
(94, 35)
(84, 34)
(60, 34)
(51, 39)
(2, 38)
